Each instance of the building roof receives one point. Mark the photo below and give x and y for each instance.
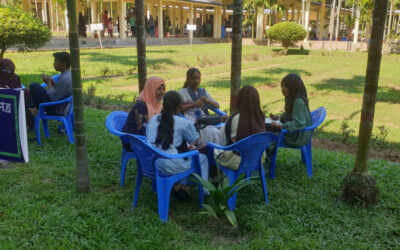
(208, 2)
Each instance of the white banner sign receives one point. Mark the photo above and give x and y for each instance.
(191, 27)
(96, 26)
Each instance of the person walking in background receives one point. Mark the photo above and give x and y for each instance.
(151, 26)
(81, 25)
(132, 22)
(110, 27)
(105, 23)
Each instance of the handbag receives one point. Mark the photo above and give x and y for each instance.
(205, 120)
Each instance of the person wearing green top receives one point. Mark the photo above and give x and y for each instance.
(297, 112)
(132, 21)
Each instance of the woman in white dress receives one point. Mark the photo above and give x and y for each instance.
(196, 102)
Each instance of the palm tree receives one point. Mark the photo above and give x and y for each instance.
(141, 43)
(331, 23)
(82, 174)
(252, 9)
(337, 22)
(236, 58)
(359, 185)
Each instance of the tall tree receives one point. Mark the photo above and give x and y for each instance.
(141, 43)
(337, 22)
(331, 23)
(236, 57)
(359, 185)
(82, 173)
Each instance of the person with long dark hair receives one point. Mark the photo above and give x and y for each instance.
(297, 112)
(172, 134)
(247, 121)
(196, 102)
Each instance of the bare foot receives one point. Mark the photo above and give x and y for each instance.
(34, 111)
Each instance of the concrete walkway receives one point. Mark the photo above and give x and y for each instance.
(58, 43)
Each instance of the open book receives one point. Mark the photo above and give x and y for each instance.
(13, 136)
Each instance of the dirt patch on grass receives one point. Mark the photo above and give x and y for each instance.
(388, 154)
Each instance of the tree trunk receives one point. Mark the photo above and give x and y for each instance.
(2, 51)
(82, 174)
(331, 23)
(236, 58)
(359, 185)
(141, 43)
(337, 23)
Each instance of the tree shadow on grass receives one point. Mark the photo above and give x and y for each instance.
(246, 80)
(355, 85)
(287, 70)
(123, 59)
(294, 51)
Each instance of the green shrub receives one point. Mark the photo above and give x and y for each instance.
(21, 29)
(287, 33)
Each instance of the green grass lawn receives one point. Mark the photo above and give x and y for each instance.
(334, 80)
(39, 206)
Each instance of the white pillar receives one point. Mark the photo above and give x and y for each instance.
(303, 3)
(356, 25)
(160, 20)
(307, 18)
(260, 23)
(191, 21)
(44, 11)
(215, 23)
(173, 21)
(66, 21)
(93, 11)
(121, 10)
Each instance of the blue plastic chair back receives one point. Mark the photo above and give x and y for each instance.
(145, 155)
(251, 149)
(115, 122)
(67, 119)
(317, 117)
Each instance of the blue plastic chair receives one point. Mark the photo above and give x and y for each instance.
(67, 120)
(318, 117)
(146, 157)
(251, 150)
(114, 123)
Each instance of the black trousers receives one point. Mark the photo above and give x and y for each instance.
(39, 95)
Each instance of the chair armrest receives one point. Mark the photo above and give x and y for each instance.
(45, 104)
(216, 146)
(218, 112)
(178, 156)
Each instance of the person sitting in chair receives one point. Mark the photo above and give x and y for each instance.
(55, 91)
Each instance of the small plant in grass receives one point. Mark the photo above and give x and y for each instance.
(220, 195)
(120, 97)
(380, 138)
(131, 71)
(203, 62)
(89, 94)
(99, 102)
(105, 71)
(346, 131)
